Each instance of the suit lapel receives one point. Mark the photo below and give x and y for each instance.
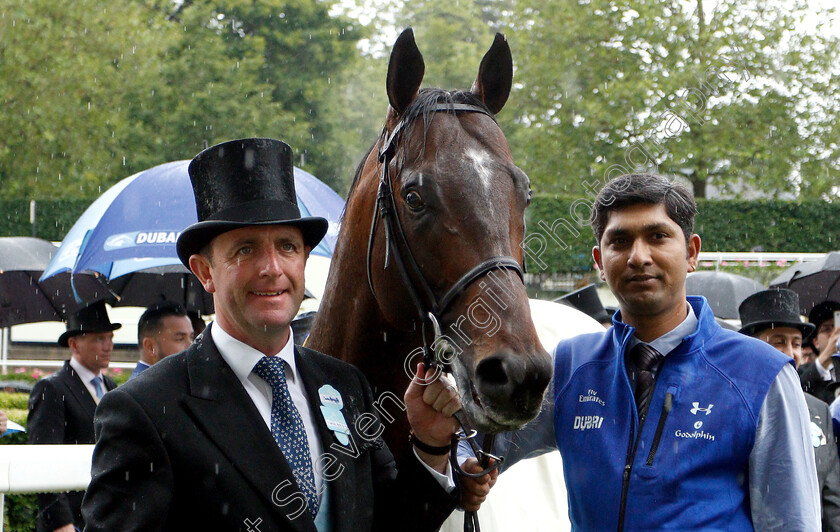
(78, 390)
(342, 492)
(226, 413)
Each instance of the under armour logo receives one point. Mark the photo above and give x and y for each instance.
(253, 526)
(707, 410)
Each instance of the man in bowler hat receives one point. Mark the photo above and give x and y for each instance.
(773, 317)
(245, 430)
(816, 376)
(61, 406)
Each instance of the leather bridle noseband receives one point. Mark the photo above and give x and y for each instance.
(429, 307)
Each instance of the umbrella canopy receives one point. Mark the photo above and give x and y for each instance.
(131, 231)
(22, 299)
(815, 282)
(724, 291)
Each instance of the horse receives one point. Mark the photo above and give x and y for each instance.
(428, 260)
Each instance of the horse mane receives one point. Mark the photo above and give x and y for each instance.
(423, 105)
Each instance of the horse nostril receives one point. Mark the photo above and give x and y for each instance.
(499, 376)
(512, 382)
(491, 372)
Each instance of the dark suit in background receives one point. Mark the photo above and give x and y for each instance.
(813, 383)
(828, 463)
(186, 449)
(61, 412)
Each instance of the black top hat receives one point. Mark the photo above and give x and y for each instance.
(93, 318)
(772, 308)
(823, 311)
(240, 183)
(587, 301)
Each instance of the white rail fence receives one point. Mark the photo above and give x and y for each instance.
(43, 468)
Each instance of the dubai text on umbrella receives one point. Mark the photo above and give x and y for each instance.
(131, 230)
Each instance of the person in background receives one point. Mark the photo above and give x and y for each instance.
(4, 422)
(162, 330)
(198, 323)
(772, 316)
(816, 376)
(61, 406)
(809, 352)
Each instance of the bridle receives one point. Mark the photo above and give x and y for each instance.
(428, 306)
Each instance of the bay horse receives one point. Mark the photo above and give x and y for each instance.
(430, 239)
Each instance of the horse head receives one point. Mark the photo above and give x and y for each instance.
(443, 254)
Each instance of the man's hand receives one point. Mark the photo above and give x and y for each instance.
(474, 490)
(827, 351)
(66, 528)
(429, 406)
(4, 422)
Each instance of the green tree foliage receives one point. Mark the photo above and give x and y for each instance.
(295, 51)
(730, 95)
(94, 91)
(70, 74)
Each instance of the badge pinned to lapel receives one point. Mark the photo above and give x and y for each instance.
(331, 405)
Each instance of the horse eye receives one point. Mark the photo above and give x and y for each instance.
(414, 201)
(528, 199)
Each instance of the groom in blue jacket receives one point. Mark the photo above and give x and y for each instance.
(667, 420)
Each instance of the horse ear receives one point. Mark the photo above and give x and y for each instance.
(405, 71)
(495, 75)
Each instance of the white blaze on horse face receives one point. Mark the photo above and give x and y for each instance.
(482, 162)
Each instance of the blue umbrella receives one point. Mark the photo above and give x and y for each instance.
(134, 225)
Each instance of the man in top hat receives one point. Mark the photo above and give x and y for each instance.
(818, 375)
(162, 330)
(587, 301)
(61, 406)
(773, 317)
(245, 430)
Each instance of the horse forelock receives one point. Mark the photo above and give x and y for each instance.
(426, 103)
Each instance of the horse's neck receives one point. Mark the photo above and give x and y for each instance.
(348, 318)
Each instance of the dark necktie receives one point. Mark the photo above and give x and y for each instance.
(287, 428)
(646, 359)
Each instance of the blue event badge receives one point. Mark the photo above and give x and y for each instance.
(331, 405)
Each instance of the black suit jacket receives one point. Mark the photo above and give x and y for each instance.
(812, 382)
(182, 447)
(61, 411)
(828, 463)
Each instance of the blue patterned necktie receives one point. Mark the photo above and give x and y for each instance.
(287, 428)
(97, 385)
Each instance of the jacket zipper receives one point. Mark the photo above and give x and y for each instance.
(628, 468)
(660, 427)
(631, 454)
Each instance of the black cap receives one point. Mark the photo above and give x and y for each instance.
(823, 311)
(240, 183)
(772, 308)
(93, 318)
(587, 301)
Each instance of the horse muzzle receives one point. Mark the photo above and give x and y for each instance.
(506, 390)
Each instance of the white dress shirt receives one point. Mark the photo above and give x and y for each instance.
(87, 375)
(242, 358)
